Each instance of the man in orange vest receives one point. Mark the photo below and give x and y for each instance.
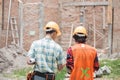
(82, 59)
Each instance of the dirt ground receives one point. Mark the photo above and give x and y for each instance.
(13, 57)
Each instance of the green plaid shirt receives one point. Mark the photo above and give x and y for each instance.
(48, 55)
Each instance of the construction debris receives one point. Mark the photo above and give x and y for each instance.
(105, 70)
(12, 57)
(104, 54)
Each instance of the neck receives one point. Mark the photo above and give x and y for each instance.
(79, 43)
(49, 36)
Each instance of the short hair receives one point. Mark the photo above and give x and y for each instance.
(80, 38)
(49, 30)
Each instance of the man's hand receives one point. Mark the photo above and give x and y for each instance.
(31, 61)
(60, 67)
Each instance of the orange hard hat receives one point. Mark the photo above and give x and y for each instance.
(53, 25)
(80, 29)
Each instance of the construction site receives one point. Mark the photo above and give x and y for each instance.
(23, 21)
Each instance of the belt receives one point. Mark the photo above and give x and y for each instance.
(47, 75)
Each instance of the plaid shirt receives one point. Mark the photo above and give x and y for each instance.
(48, 55)
(70, 61)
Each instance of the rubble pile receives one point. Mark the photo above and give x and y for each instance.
(103, 54)
(12, 57)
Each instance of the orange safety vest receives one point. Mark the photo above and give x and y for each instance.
(83, 56)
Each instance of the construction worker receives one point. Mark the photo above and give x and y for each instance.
(46, 54)
(82, 59)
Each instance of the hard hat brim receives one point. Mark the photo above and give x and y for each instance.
(58, 33)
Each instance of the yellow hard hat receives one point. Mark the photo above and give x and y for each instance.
(54, 26)
(80, 29)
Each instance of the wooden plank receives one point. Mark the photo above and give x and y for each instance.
(94, 25)
(109, 12)
(9, 13)
(86, 3)
(41, 22)
(21, 23)
(0, 20)
(104, 19)
(0, 15)
(32, 3)
(110, 36)
(70, 43)
(110, 32)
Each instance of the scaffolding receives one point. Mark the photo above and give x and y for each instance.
(82, 4)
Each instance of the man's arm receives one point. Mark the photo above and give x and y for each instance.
(61, 66)
(96, 63)
(69, 60)
(61, 59)
(31, 55)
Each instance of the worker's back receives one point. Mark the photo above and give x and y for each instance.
(83, 56)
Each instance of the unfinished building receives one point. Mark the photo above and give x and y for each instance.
(22, 21)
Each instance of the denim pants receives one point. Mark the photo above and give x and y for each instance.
(38, 78)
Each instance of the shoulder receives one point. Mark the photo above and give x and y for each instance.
(91, 48)
(36, 42)
(58, 46)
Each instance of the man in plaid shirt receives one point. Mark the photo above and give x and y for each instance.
(47, 55)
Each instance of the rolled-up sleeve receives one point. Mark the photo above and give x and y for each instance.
(61, 59)
(70, 61)
(31, 52)
(96, 63)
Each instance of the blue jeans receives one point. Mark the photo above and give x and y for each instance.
(38, 78)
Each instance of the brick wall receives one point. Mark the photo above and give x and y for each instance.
(71, 15)
(66, 17)
(116, 28)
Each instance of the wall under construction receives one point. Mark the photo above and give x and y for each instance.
(94, 19)
(116, 28)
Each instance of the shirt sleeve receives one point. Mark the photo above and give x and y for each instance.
(61, 57)
(96, 63)
(69, 59)
(31, 52)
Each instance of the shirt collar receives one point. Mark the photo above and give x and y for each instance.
(48, 37)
